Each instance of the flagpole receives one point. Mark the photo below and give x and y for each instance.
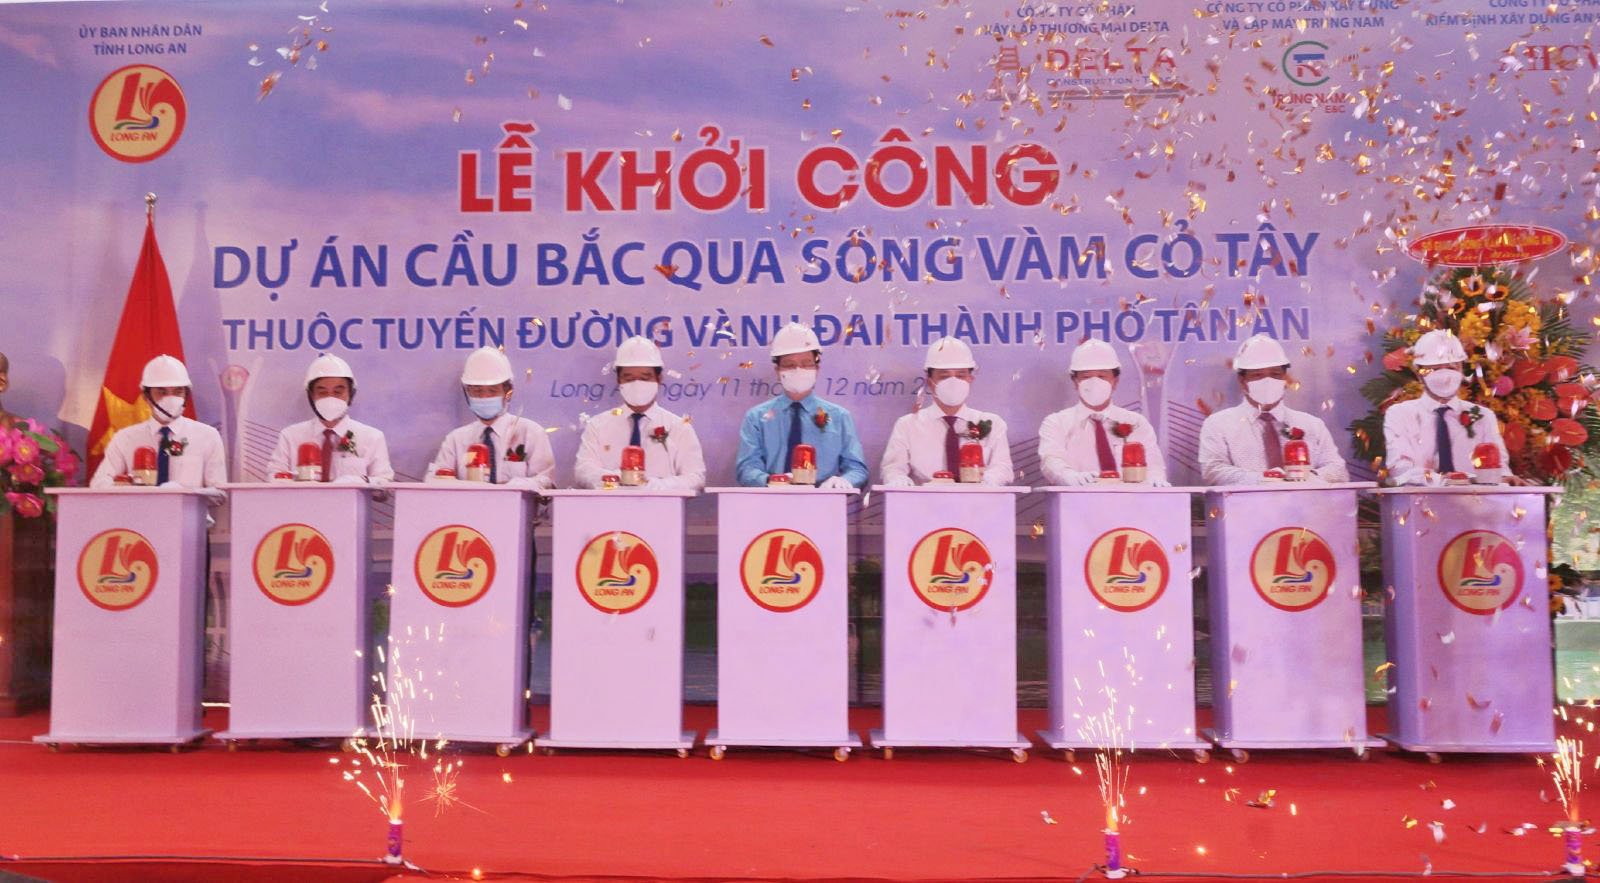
(149, 206)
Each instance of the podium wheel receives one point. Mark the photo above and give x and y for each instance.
(841, 754)
(718, 752)
(888, 753)
(1019, 755)
(1201, 755)
(683, 752)
(1069, 754)
(1239, 755)
(233, 745)
(1433, 757)
(503, 750)
(547, 751)
(52, 747)
(347, 744)
(1363, 754)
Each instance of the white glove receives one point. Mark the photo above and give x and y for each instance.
(1079, 479)
(215, 496)
(525, 483)
(989, 481)
(661, 483)
(837, 482)
(1160, 482)
(379, 483)
(900, 481)
(350, 479)
(170, 484)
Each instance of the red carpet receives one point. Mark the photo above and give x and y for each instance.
(769, 815)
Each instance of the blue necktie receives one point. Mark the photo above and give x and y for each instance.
(163, 464)
(1441, 440)
(488, 441)
(634, 438)
(795, 410)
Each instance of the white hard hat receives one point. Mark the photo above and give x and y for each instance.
(1094, 355)
(329, 366)
(164, 371)
(947, 352)
(1437, 347)
(1259, 351)
(486, 366)
(638, 352)
(794, 338)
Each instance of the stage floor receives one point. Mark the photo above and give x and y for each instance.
(758, 814)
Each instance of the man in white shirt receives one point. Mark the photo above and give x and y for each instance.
(351, 452)
(1239, 444)
(519, 449)
(672, 455)
(929, 439)
(1429, 437)
(188, 452)
(1080, 444)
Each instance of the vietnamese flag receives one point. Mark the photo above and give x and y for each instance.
(149, 328)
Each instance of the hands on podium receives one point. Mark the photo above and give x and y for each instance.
(838, 482)
(1074, 478)
(899, 481)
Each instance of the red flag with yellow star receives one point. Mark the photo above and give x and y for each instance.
(149, 328)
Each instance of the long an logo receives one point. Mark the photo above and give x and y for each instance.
(617, 572)
(1292, 568)
(951, 569)
(454, 565)
(117, 569)
(1481, 572)
(1126, 569)
(293, 564)
(781, 570)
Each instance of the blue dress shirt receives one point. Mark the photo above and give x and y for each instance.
(764, 437)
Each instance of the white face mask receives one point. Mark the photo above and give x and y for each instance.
(638, 393)
(1267, 391)
(1443, 382)
(487, 407)
(798, 381)
(167, 408)
(1094, 391)
(330, 408)
(952, 391)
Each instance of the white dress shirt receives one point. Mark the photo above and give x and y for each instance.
(675, 462)
(916, 446)
(1408, 437)
(508, 432)
(1232, 450)
(202, 463)
(1067, 446)
(369, 460)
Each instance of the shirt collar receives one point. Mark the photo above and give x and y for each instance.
(936, 414)
(809, 404)
(501, 425)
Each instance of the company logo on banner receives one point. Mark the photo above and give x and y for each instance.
(293, 564)
(1292, 568)
(617, 572)
(137, 113)
(781, 570)
(951, 569)
(117, 569)
(1480, 572)
(1306, 63)
(455, 565)
(1126, 569)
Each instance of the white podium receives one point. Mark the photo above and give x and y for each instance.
(1285, 589)
(1121, 610)
(1468, 624)
(783, 629)
(297, 609)
(950, 618)
(616, 611)
(129, 630)
(457, 655)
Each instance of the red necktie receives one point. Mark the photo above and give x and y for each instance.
(327, 454)
(1102, 446)
(952, 446)
(1270, 440)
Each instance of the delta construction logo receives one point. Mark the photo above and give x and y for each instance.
(293, 564)
(1480, 572)
(455, 565)
(1292, 568)
(1126, 569)
(951, 569)
(137, 113)
(617, 572)
(117, 569)
(781, 570)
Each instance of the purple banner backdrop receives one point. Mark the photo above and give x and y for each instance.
(400, 183)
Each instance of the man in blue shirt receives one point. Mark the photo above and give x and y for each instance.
(797, 416)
